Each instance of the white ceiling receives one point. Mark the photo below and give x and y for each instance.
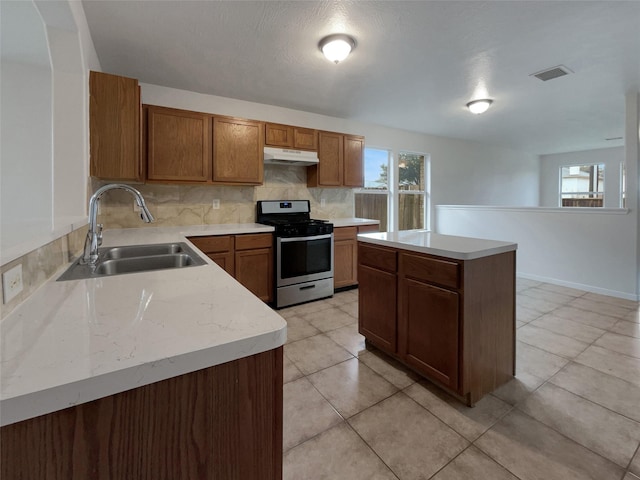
(415, 66)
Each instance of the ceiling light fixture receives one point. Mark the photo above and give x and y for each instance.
(479, 106)
(337, 47)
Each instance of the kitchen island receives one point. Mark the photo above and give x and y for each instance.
(161, 374)
(442, 305)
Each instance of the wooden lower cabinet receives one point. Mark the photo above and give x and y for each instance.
(219, 248)
(377, 307)
(222, 422)
(248, 258)
(428, 330)
(453, 321)
(345, 254)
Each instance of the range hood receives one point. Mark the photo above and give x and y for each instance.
(285, 156)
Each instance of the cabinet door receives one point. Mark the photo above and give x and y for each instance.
(254, 270)
(278, 135)
(428, 328)
(353, 161)
(305, 139)
(224, 260)
(345, 257)
(114, 127)
(328, 172)
(237, 151)
(377, 307)
(178, 145)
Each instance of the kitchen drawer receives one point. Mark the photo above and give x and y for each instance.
(345, 233)
(257, 240)
(429, 269)
(377, 257)
(213, 244)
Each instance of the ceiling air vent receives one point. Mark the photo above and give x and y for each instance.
(551, 73)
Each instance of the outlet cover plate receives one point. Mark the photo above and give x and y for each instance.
(12, 283)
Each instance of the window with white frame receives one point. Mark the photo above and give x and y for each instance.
(582, 185)
(395, 189)
(372, 201)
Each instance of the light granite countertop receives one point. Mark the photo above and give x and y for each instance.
(424, 241)
(353, 222)
(76, 341)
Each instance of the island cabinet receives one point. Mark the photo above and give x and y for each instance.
(221, 422)
(345, 254)
(341, 160)
(178, 145)
(377, 296)
(287, 136)
(115, 127)
(451, 320)
(248, 258)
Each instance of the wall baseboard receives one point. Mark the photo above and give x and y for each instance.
(580, 286)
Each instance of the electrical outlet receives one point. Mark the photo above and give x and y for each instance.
(12, 283)
(323, 202)
(216, 204)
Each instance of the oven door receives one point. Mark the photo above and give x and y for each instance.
(303, 259)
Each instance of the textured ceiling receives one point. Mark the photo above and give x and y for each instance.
(415, 66)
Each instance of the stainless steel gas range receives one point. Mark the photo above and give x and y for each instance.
(304, 251)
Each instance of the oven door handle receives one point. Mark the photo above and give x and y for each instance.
(304, 239)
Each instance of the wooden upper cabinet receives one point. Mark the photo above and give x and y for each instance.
(114, 127)
(328, 173)
(178, 145)
(276, 135)
(353, 161)
(341, 161)
(286, 136)
(238, 151)
(305, 139)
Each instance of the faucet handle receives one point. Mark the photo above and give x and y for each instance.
(99, 233)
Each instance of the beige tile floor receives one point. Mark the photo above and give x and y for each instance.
(572, 412)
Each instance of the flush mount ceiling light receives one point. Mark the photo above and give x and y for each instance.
(479, 106)
(337, 47)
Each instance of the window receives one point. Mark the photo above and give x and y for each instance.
(582, 185)
(411, 191)
(372, 201)
(395, 192)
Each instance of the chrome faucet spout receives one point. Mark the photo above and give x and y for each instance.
(94, 235)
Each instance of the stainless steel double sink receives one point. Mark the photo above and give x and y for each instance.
(134, 259)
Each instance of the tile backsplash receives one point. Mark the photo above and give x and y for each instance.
(174, 205)
(42, 263)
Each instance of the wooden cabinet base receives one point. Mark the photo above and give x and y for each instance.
(223, 422)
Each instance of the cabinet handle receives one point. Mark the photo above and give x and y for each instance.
(307, 287)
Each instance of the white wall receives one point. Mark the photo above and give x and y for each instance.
(589, 250)
(46, 55)
(550, 173)
(461, 171)
(26, 166)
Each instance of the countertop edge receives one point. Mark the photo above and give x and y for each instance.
(57, 398)
(501, 247)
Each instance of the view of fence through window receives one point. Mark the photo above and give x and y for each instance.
(411, 191)
(582, 185)
(372, 201)
(377, 196)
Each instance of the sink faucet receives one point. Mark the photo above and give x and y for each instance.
(94, 235)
